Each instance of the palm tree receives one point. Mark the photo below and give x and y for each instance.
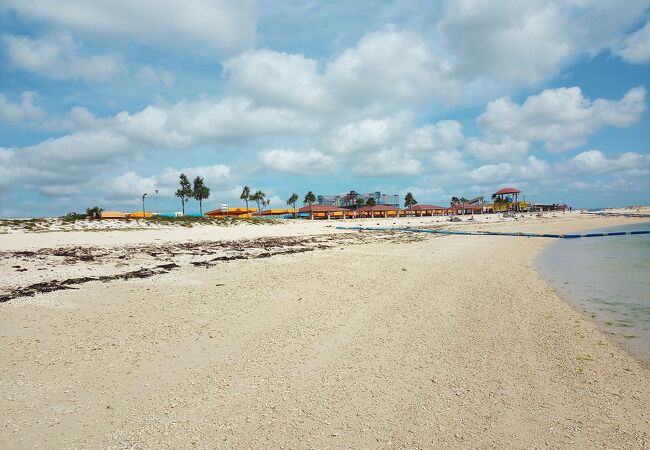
(292, 201)
(310, 198)
(185, 191)
(409, 200)
(371, 201)
(246, 196)
(94, 212)
(258, 197)
(455, 201)
(200, 192)
(359, 202)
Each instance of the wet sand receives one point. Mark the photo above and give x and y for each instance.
(366, 340)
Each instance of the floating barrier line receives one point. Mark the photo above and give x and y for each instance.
(496, 233)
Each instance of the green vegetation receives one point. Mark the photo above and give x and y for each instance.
(291, 201)
(371, 201)
(73, 217)
(246, 196)
(409, 200)
(94, 213)
(259, 197)
(185, 191)
(200, 192)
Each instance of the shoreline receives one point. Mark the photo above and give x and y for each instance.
(614, 338)
(453, 341)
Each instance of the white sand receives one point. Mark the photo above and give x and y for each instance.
(448, 341)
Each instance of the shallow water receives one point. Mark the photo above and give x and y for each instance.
(609, 279)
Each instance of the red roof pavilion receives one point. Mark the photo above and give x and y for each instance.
(507, 190)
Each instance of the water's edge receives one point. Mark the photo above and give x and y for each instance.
(638, 350)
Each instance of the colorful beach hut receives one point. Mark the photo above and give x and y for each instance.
(423, 210)
(324, 211)
(377, 211)
(113, 215)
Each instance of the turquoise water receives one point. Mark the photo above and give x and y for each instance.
(609, 279)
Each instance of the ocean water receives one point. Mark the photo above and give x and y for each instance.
(608, 278)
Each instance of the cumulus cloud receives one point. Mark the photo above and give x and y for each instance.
(516, 43)
(190, 124)
(365, 135)
(530, 169)
(71, 160)
(388, 162)
(279, 79)
(596, 162)
(303, 162)
(443, 135)
(391, 65)
(506, 149)
(18, 112)
(561, 118)
(224, 25)
(131, 185)
(636, 47)
(58, 57)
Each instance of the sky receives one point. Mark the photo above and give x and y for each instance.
(101, 102)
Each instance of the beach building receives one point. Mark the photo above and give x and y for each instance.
(424, 210)
(377, 211)
(113, 215)
(325, 212)
(353, 198)
(231, 212)
(139, 215)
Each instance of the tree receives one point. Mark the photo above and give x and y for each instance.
(95, 212)
(200, 192)
(185, 192)
(310, 198)
(246, 196)
(292, 202)
(360, 202)
(259, 197)
(371, 201)
(455, 201)
(409, 200)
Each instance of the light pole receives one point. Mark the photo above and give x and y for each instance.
(157, 209)
(143, 211)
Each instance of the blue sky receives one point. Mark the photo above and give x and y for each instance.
(101, 102)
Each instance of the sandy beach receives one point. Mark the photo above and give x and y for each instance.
(300, 335)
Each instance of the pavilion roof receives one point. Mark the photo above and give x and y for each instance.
(507, 190)
(424, 207)
(376, 208)
(321, 208)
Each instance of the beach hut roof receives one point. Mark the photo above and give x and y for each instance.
(377, 208)
(468, 206)
(424, 207)
(113, 215)
(507, 190)
(321, 208)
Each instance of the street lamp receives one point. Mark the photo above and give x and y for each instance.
(143, 211)
(157, 209)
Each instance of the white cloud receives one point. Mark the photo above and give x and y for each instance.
(510, 41)
(17, 112)
(596, 162)
(514, 43)
(506, 149)
(130, 185)
(58, 57)
(636, 47)
(390, 66)
(366, 135)
(530, 169)
(305, 162)
(190, 124)
(449, 160)
(561, 118)
(387, 162)
(279, 79)
(443, 135)
(149, 76)
(225, 25)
